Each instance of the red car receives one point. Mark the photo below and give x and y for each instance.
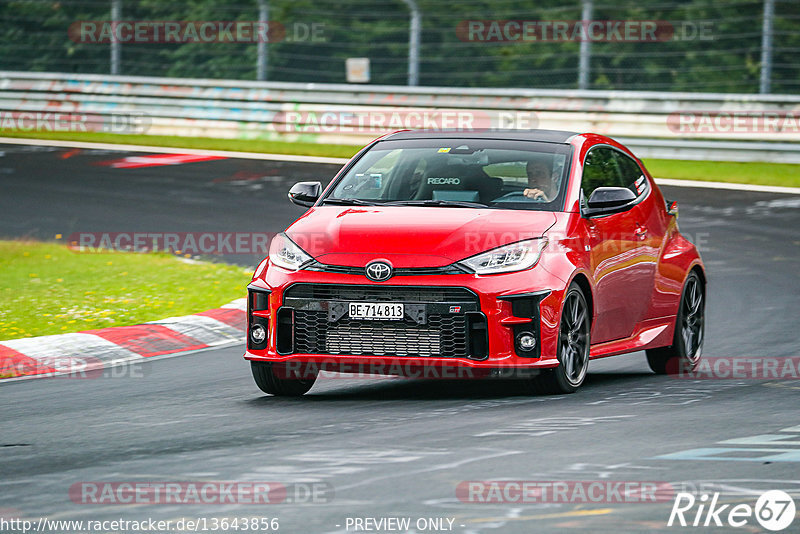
(452, 254)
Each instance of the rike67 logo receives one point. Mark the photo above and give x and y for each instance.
(774, 510)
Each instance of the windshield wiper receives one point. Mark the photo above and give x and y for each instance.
(443, 203)
(348, 202)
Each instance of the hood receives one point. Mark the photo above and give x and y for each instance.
(411, 236)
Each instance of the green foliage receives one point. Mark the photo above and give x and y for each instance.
(716, 45)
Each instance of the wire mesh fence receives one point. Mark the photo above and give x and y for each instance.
(654, 45)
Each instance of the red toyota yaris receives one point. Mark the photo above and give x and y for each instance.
(475, 254)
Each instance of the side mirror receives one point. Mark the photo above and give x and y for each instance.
(305, 193)
(605, 200)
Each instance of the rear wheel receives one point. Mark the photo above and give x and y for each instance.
(687, 345)
(281, 381)
(573, 347)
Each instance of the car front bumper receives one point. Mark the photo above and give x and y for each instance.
(460, 321)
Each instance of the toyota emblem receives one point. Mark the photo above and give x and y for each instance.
(378, 271)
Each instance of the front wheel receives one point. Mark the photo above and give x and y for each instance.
(687, 344)
(573, 347)
(279, 380)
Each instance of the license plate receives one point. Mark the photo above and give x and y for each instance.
(380, 311)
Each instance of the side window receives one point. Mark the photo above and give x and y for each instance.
(632, 176)
(371, 182)
(601, 169)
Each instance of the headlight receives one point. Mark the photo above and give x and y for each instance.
(283, 252)
(508, 258)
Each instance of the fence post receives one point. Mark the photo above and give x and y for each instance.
(116, 14)
(413, 42)
(766, 47)
(586, 46)
(262, 59)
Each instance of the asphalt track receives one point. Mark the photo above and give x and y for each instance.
(397, 448)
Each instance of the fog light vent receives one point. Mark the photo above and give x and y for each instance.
(258, 334)
(526, 341)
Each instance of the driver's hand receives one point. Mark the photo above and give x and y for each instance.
(535, 194)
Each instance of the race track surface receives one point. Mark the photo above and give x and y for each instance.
(379, 448)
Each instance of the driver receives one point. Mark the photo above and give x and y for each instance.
(540, 181)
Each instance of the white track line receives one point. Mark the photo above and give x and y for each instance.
(118, 363)
(342, 161)
(173, 150)
(726, 185)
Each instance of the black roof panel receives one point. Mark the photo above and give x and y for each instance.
(547, 136)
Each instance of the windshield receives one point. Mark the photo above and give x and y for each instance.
(458, 172)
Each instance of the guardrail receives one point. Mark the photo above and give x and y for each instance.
(722, 127)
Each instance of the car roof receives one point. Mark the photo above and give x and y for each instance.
(547, 136)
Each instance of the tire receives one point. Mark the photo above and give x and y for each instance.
(687, 344)
(272, 379)
(573, 347)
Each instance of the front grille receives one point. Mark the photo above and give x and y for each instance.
(444, 336)
(347, 292)
(442, 333)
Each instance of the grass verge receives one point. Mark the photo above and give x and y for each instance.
(756, 173)
(45, 288)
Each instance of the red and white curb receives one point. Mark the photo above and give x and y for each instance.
(107, 347)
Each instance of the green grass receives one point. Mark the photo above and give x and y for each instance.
(756, 173)
(45, 288)
(782, 174)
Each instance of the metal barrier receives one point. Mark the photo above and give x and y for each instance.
(721, 127)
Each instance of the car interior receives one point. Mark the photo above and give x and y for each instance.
(486, 177)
